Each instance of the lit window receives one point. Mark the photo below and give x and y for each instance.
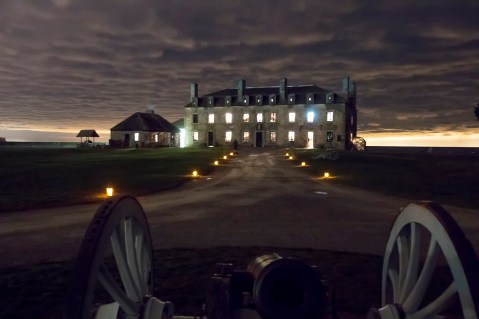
(137, 137)
(272, 137)
(272, 100)
(195, 136)
(246, 117)
(292, 117)
(329, 116)
(310, 117)
(272, 118)
(246, 136)
(211, 118)
(329, 136)
(310, 99)
(291, 99)
(259, 117)
(229, 118)
(291, 136)
(156, 138)
(259, 100)
(195, 118)
(228, 136)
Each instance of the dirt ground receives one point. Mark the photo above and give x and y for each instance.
(256, 199)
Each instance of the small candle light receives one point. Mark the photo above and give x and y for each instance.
(109, 191)
(225, 157)
(217, 163)
(291, 157)
(326, 175)
(303, 163)
(195, 173)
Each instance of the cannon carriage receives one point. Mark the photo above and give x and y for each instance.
(422, 237)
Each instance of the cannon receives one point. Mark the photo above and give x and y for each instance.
(422, 236)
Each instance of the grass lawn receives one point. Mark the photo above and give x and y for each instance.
(452, 180)
(53, 177)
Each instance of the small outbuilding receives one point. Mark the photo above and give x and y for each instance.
(144, 130)
(89, 136)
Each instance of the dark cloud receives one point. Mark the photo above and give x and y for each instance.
(64, 63)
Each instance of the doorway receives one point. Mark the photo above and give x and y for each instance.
(211, 139)
(310, 140)
(126, 140)
(259, 139)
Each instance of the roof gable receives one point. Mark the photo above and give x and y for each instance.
(88, 133)
(146, 122)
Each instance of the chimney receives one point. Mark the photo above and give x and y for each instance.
(283, 85)
(194, 90)
(241, 84)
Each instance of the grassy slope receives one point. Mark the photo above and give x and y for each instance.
(446, 179)
(42, 178)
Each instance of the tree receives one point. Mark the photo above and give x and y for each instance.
(476, 111)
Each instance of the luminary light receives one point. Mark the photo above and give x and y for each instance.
(217, 163)
(326, 175)
(287, 154)
(231, 154)
(291, 157)
(303, 163)
(195, 173)
(109, 191)
(225, 157)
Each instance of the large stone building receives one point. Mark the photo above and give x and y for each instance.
(284, 116)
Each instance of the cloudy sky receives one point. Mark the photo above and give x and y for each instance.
(72, 64)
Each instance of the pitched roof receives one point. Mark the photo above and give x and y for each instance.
(301, 93)
(149, 122)
(88, 133)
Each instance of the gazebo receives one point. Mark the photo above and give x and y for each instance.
(87, 134)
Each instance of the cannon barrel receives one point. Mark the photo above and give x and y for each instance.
(286, 288)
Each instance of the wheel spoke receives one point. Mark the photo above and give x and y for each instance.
(403, 251)
(131, 256)
(106, 279)
(413, 265)
(139, 242)
(125, 273)
(393, 277)
(108, 311)
(417, 294)
(439, 304)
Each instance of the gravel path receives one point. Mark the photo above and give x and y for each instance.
(256, 199)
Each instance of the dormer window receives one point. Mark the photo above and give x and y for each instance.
(245, 100)
(310, 98)
(259, 100)
(272, 99)
(194, 101)
(291, 99)
(211, 101)
(228, 101)
(330, 97)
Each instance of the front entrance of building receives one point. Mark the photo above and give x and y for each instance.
(211, 139)
(310, 140)
(126, 140)
(259, 139)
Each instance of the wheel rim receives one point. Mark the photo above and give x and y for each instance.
(119, 225)
(408, 282)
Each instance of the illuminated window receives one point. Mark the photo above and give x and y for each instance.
(259, 117)
(246, 117)
(156, 138)
(329, 136)
(292, 117)
(195, 118)
(195, 136)
(272, 118)
(310, 117)
(291, 136)
(229, 118)
(228, 136)
(272, 137)
(245, 136)
(329, 116)
(137, 137)
(211, 118)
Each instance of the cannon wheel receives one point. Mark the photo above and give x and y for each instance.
(120, 226)
(407, 283)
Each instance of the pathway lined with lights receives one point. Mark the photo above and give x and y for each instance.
(254, 198)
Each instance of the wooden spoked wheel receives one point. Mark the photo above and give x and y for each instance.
(423, 238)
(115, 257)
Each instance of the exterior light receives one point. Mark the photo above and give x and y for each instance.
(287, 154)
(225, 157)
(231, 154)
(109, 191)
(291, 157)
(303, 163)
(217, 163)
(326, 175)
(195, 173)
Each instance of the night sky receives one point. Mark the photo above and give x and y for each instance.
(67, 65)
